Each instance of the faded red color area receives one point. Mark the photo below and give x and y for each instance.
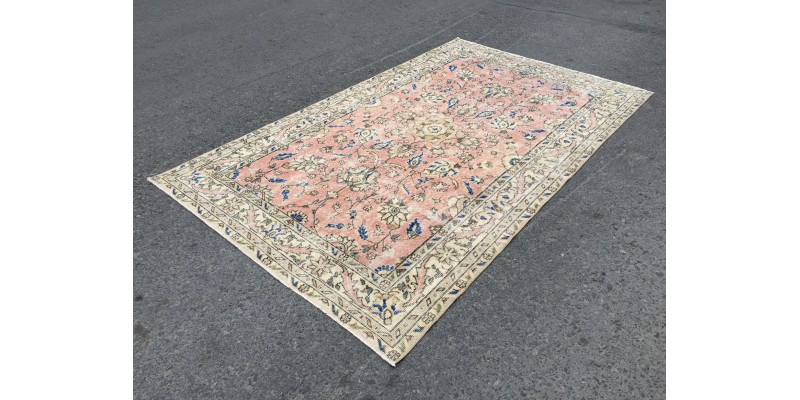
(378, 181)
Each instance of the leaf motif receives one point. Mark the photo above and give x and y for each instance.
(362, 232)
(414, 229)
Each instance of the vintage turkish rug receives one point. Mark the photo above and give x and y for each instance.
(382, 203)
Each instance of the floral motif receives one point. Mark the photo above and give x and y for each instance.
(401, 150)
(447, 254)
(432, 98)
(457, 203)
(496, 90)
(465, 109)
(465, 75)
(542, 98)
(428, 317)
(440, 186)
(358, 179)
(394, 213)
(306, 163)
(404, 116)
(510, 161)
(442, 168)
(345, 244)
(503, 124)
(468, 143)
(298, 216)
(365, 135)
(435, 129)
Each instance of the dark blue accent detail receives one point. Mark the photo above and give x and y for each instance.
(384, 267)
(414, 229)
(415, 161)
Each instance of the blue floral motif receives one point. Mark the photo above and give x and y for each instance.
(298, 216)
(531, 135)
(476, 179)
(274, 232)
(484, 114)
(362, 232)
(386, 312)
(414, 229)
(469, 188)
(382, 145)
(415, 161)
(385, 267)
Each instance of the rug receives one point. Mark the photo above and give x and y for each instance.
(382, 203)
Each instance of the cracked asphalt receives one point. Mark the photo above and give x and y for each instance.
(574, 307)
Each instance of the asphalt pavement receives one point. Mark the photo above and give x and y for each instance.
(210, 323)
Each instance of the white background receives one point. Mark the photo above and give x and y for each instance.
(66, 287)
